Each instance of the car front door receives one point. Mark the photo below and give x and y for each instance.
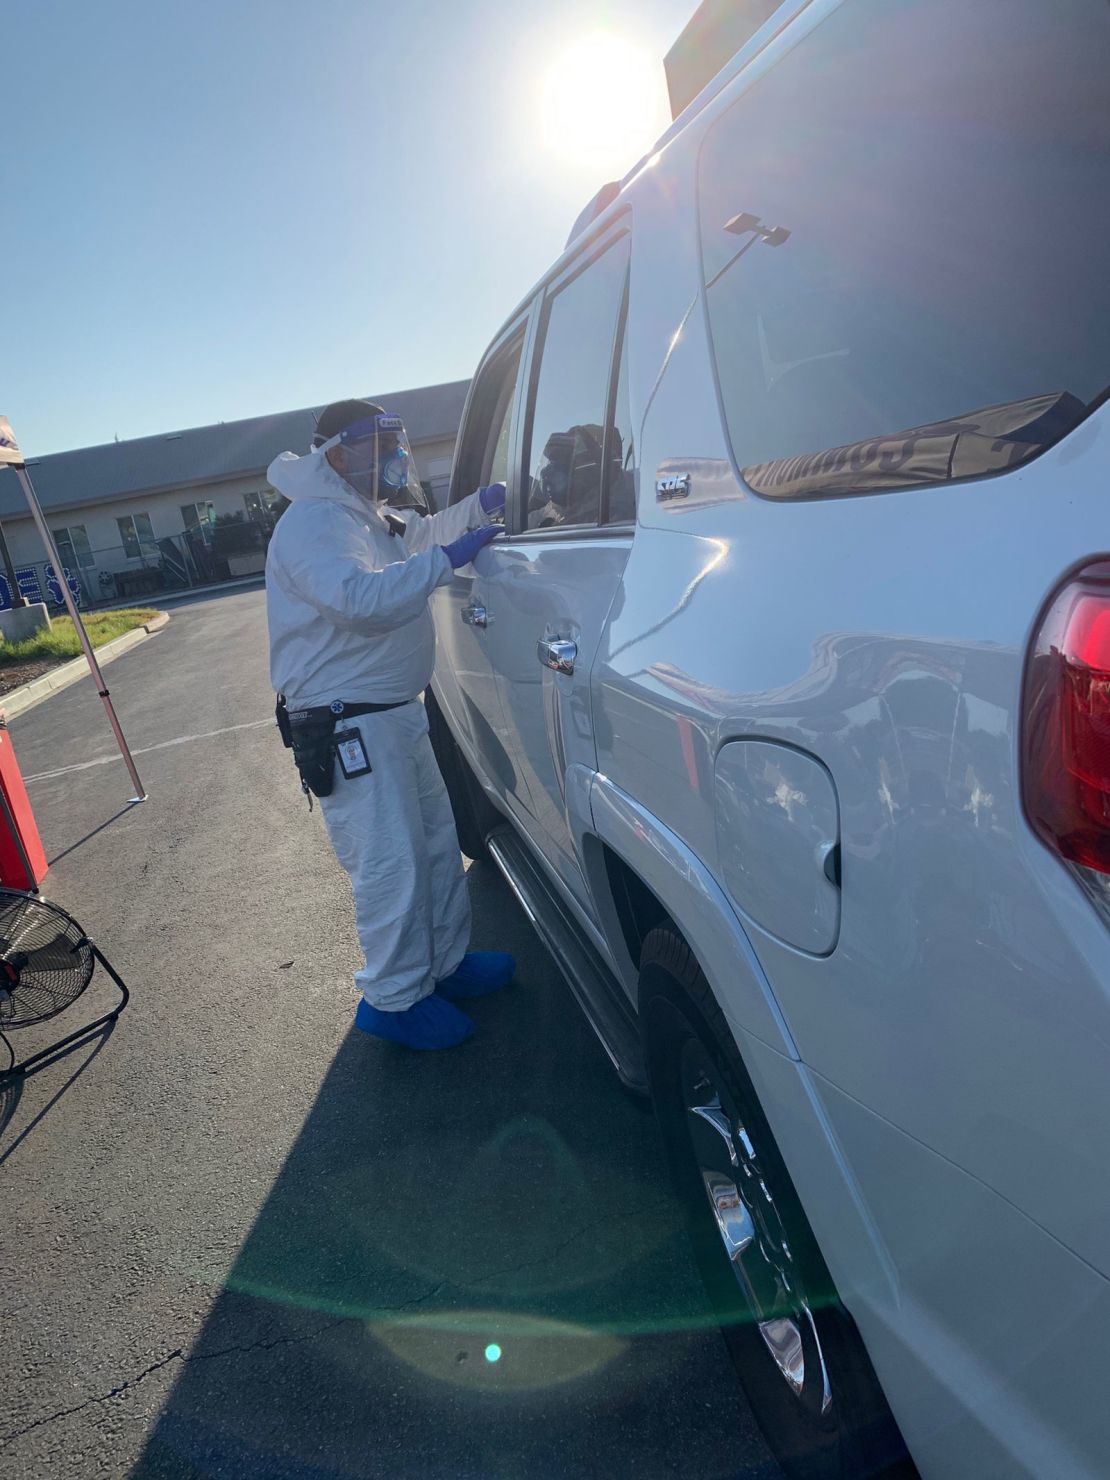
(464, 678)
(570, 533)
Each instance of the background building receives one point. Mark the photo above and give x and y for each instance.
(185, 508)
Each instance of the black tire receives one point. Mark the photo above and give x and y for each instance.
(475, 815)
(827, 1420)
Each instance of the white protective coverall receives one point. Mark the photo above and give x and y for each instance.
(347, 604)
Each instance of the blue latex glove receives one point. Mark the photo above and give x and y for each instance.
(463, 550)
(492, 498)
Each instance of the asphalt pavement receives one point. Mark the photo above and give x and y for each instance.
(239, 1238)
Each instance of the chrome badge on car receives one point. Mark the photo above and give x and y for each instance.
(675, 485)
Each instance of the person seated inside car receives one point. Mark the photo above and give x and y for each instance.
(566, 489)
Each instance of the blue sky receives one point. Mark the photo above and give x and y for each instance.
(234, 207)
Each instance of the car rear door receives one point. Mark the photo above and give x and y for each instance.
(570, 535)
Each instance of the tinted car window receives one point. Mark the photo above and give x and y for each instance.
(485, 437)
(572, 395)
(496, 464)
(903, 236)
(621, 455)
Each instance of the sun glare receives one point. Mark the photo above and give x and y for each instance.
(602, 104)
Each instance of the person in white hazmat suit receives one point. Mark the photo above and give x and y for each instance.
(350, 568)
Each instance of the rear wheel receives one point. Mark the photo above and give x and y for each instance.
(475, 815)
(796, 1350)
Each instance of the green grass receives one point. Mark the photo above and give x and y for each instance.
(62, 642)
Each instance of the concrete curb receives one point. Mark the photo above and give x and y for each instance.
(20, 700)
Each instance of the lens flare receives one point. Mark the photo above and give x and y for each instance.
(446, 1345)
(602, 103)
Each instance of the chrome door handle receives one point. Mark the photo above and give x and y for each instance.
(475, 616)
(557, 653)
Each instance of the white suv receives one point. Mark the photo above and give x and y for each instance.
(784, 706)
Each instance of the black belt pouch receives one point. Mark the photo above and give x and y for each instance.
(281, 715)
(314, 754)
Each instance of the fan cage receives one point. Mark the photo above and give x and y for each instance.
(46, 960)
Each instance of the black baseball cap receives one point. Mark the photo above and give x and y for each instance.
(339, 416)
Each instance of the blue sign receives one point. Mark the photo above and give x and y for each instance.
(27, 578)
(54, 590)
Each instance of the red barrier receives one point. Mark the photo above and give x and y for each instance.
(13, 864)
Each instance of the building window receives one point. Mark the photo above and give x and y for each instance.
(263, 507)
(137, 535)
(74, 548)
(200, 515)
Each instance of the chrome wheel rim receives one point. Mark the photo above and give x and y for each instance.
(753, 1235)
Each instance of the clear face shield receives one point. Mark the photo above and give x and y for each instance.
(380, 464)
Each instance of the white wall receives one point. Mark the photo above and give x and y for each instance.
(102, 531)
(99, 520)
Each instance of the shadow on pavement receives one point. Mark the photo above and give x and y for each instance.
(469, 1266)
(94, 832)
(11, 1085)
(11, 1089)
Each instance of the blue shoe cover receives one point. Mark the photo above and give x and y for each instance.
(429, 1023)
(479, 972)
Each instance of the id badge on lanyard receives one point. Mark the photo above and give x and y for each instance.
(352, 753)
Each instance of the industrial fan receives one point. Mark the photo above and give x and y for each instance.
(46, 962)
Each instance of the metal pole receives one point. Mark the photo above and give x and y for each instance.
(71, 606)
(18, 598)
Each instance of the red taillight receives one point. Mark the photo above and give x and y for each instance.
(1066, 723)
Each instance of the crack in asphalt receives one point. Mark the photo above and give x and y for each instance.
(416, 1299)
(179, 1355)
(89, 1402)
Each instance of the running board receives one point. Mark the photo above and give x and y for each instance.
(598, 992)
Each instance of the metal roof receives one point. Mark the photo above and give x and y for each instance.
(199, 455)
